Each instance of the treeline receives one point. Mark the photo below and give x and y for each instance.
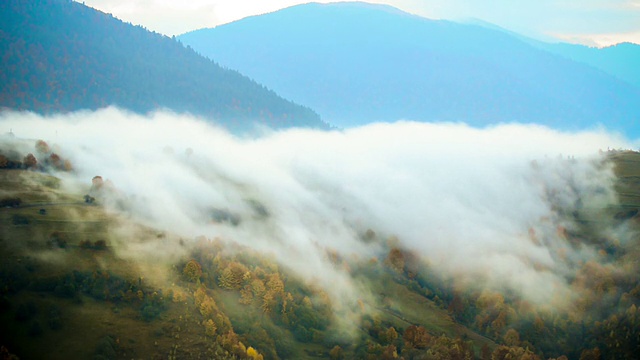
(59, 56)
(297, 312)
(43, 158)
(291, 308)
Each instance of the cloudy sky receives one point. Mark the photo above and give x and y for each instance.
(590, 22)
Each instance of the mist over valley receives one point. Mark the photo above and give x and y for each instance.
(445, 211)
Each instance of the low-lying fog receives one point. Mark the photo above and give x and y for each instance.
(484, 205)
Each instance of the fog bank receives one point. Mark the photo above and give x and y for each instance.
(485, 206)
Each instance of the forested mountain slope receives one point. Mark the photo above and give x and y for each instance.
(60, 56)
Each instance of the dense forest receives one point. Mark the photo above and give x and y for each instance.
(60, 56)
(73, 281)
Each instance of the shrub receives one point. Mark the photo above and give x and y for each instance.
(10, 202)
(20, 220)
(192, 271)
(106, 349)
(100, 245)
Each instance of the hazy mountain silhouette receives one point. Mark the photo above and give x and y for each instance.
(356, 63)
(59, 55)
(619, 60)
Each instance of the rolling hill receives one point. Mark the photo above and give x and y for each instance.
(61, 56)
(85, 277)
(356, 63)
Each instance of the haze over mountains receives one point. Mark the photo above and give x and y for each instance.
(620, 60)
(61, 56)
(355, 63)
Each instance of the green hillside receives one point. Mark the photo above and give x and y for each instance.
(81, 281)
(61, 56)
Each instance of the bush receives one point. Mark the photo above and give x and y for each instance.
(192, 271)
(302, 334)
(20, 220)
(57, 240)
(106, 349)
(100, 245)
(150, 312)
(10, 202)
(97, 245)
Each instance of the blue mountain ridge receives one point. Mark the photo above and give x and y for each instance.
(356, 63)
(620, 60)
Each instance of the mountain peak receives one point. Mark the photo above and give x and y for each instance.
(358, 62)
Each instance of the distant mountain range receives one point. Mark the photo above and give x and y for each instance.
(619, 60)
(59, 56)
(355, 63)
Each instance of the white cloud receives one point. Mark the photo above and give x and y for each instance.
(600, 40)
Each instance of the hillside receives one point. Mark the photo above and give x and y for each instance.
(80, 281)
(83, 277)
(356, 63)
(60, 56)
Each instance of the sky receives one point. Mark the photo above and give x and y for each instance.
(588, 22)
